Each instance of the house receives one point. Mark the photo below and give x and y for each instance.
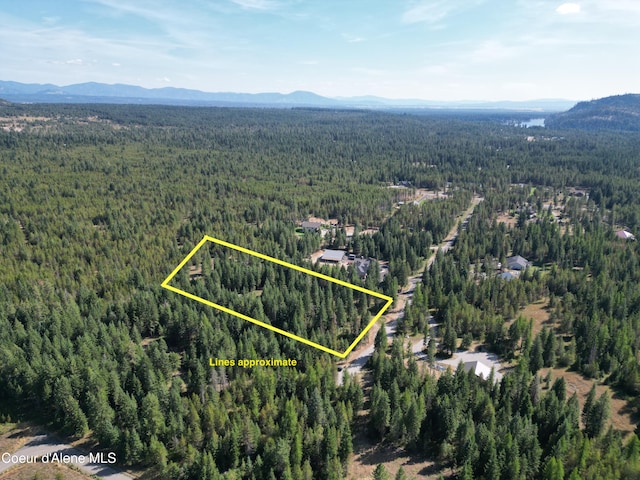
(332, 256)
(478, 368)
(362, 266)
(517, 263)
(507, 276)
(626, 235)
(311, 226)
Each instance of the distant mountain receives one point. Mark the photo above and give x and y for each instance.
(621, 112)
(93, 92)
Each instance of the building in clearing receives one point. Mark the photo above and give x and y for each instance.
(517, 263)
(478, 368)
(362, 266)
(625, 234)
(507, 276)
(311, 226)
(332, 256)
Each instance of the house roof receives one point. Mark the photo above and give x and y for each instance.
(478, 368)
(362, 266)
(517, 262)
(333, 255)
(625, 234)
(507, 276)
(312, 225)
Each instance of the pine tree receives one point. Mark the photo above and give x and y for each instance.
(380, 473)
(380, 342)
(550, 346)
(400, 474)
(380, 410)
(598, 416)
(536, 359)
(589, 404)
(449, 339)
(553, 470)
(432, 349)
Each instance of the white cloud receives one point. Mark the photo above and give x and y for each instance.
(257, 4)
(433, 11)
(76, 62)
(352, 38)
(568, 9)
(187, 26)
(429, 12)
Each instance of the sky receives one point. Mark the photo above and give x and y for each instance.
(444, 50)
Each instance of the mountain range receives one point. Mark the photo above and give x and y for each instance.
(93, 92)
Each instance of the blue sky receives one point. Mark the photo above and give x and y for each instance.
(427, 49)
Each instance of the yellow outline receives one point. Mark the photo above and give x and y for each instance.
(207, 238)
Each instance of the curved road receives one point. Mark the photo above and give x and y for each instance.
(359, 358)
(46, 444)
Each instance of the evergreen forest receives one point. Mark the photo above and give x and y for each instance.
(99, 203)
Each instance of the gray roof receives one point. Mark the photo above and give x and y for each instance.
(507, 276)
(311, 225)
(517, 262)
(332, 255)
(362, 266)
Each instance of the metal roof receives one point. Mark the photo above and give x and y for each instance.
(517, 262)
(312, 225)
(479, 368)
(333, 255)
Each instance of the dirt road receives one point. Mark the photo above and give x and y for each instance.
(44, 444)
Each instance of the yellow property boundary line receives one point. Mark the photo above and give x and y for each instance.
(306, 341)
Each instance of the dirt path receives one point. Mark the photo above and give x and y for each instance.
(41, 444)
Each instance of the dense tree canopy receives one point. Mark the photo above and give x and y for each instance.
(99, 203)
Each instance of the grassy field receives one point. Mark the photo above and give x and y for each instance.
(368, 454)
(41, 471)
(14, 435)
(539, 313)
(621, 411)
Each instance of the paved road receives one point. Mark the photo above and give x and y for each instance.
(450, 239)
(356, 365)
(359, 359)
(46, 444)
